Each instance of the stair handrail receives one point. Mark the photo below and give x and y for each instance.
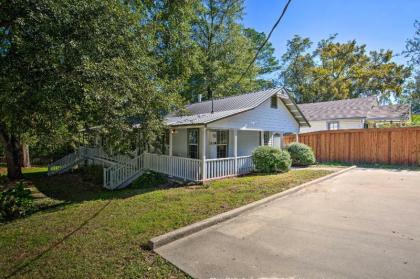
(118, 174)
(64, 162)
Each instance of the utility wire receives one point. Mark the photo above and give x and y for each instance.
(266, 40)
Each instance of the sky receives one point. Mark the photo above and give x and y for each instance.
(379, 24)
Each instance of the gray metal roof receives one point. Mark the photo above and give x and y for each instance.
(390, 112)
(225, 107)
(350, 108)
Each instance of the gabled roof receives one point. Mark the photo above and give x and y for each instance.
(367, 107)
(350, 108)
(225, 107)
(390, 112)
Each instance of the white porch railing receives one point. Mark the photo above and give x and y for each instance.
(120, 175)
(181, 167)
(99, 153)
(123, 169)
(224, 167)
(245, 164)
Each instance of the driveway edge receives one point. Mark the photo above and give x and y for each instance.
(164, 239)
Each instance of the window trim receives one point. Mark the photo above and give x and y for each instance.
(195, 144)
(333, 122)
(222, 144)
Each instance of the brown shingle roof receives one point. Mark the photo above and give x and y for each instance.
(350, 108)
(390, 112)
(367, 107)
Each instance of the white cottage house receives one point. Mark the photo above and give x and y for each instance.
(216, 139)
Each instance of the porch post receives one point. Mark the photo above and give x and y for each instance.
(262, 138)
(272, 139)
(282, 145)
(203, 143)
(235, 148)
(297, 137)
(170, 142)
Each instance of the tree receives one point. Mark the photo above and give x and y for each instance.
(336, 70)
(67, 65)
(176, 51)
(412, 52)
(225, 51)
(266, 62)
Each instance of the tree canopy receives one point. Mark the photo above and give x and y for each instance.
(411, 93)
(67, 65)
(334, 70)
(224, 51)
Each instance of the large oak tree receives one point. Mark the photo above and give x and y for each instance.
(68, 64)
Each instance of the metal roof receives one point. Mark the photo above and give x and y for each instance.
(225, 107)
(349, 108)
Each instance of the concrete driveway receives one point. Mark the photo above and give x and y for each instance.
(362, 224)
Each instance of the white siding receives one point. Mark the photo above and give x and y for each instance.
(247, 142)
(352, 123)
(262, 117)
(179, 143)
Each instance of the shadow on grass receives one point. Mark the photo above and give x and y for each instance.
(20, 267)
(73, 188)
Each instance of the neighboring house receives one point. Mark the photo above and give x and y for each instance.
(216, 139)
(356, 113)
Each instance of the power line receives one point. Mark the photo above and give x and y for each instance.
(266, 40)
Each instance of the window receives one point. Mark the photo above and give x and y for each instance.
(222, 143)
(274, 101)
(266, 138)
(193, 139)
(332, 125)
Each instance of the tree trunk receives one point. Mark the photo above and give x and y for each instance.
(12, 150)
(25, 158)
(13, 159)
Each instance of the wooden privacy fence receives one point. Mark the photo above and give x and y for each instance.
(387, 146)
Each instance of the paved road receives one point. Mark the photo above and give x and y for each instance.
(361, 224)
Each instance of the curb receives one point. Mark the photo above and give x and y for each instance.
(164, 239)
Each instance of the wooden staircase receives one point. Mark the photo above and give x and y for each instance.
(119, 170)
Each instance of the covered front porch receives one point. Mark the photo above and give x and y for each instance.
(200, 153)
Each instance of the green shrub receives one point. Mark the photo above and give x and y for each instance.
(269, 159)
(150, 179)
(301, 154)
(15, 202)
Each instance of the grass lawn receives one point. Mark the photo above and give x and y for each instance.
(83, 231)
